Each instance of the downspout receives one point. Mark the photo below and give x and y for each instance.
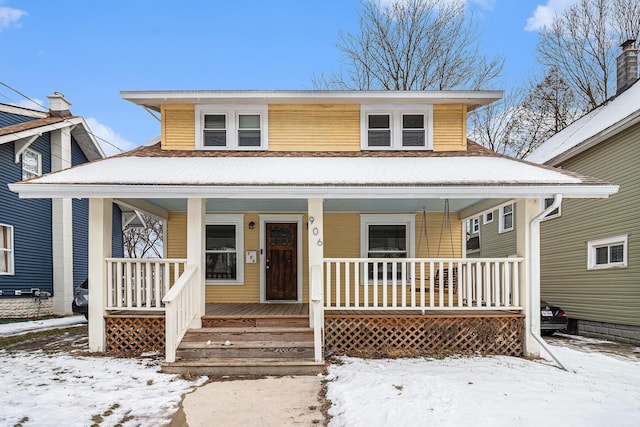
(534, 278)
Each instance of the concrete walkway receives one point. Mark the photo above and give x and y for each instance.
(265, 402)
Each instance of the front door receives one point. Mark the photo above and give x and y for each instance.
(281, 262)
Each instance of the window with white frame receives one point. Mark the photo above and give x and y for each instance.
(224, 249)
(394, 127)
(488, 217)
(231, 127)
(506, 218)
(386, 236)
(6, 249)
(610, 252)
(475, 225)
(554, 213)
(31, 164)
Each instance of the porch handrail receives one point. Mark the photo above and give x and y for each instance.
(422, 283)
(180, 310)
(139, 284)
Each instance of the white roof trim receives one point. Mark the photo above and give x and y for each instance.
(156, 98)
(22, 111)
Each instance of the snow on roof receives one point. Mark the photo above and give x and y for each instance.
(601, 123)
(307, 171)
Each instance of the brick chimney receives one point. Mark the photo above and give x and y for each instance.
(627, 64)
(58, 105)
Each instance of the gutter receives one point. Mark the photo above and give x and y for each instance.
(534, 279)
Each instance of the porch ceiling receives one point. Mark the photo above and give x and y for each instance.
(330, 205)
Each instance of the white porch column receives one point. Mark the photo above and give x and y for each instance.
(526, 210)
(62, 228)
(316, 263)
(195, 252)
(100, 229)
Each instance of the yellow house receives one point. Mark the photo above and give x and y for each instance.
(283, 211)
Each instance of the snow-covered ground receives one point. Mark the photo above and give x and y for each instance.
(487, 391)
(44, 389)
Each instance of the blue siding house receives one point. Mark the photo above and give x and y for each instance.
(43, 242)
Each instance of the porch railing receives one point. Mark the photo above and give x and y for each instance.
(140, 284)
(180, 309)
(422, 284)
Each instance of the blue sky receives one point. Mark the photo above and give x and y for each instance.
(90, 51)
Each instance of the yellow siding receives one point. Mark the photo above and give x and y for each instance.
(314, 127)
(449, 127)
(177, 235)
(178, 127)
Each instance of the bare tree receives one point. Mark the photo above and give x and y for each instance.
(412, 45)
(146, 241)
(582, 44)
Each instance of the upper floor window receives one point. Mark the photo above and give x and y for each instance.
(31, 164)
(396, 127)
(506, 218)
(488, 217)
(607, 253)
(6, 249)
(231, 127)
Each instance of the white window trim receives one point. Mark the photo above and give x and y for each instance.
(486, 220)
(232, 112)
(475, 225)
(395, 113)
(501, 227)
(11, 250)
(238, 221)
(263, 246)
(550, 216)
(386, 219)
(609, 241)
(38, 156)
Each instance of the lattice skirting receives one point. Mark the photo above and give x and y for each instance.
(410, 336)
(134, 335)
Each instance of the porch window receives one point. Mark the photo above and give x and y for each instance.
(224, 249)
(607, 253)
(231, 127)
(31, 164)
(506, 218)
(6, 249)
(395, 127)
(387, 236)
(475, 225)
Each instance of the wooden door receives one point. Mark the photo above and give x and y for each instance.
(281, 262)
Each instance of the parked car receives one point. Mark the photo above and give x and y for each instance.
(552, 319)
(80, 303)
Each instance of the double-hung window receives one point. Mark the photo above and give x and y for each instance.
(31, 164)
(395, 127)
(224, 249)
(6, 249)
(607, 253)
(506, 218)
(231, 127)
(386, 236)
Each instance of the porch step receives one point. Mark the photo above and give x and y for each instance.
(244, 366)
(253, 321)
(245, 349)
(294, 334)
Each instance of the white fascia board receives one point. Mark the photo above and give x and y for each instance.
(32, 190)
(156, 98)
(87, 141)
(40, 130)
(22, 111)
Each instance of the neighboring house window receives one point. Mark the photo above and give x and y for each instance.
(386, 236)
(231, 127)
(224, 249)
(554, 213)
(6, 249)
(506, 218)
(607, 253)
(475, 225)
(31, 164)
(396, 127)
(488, 217)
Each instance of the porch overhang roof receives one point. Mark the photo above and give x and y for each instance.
(280, 177)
